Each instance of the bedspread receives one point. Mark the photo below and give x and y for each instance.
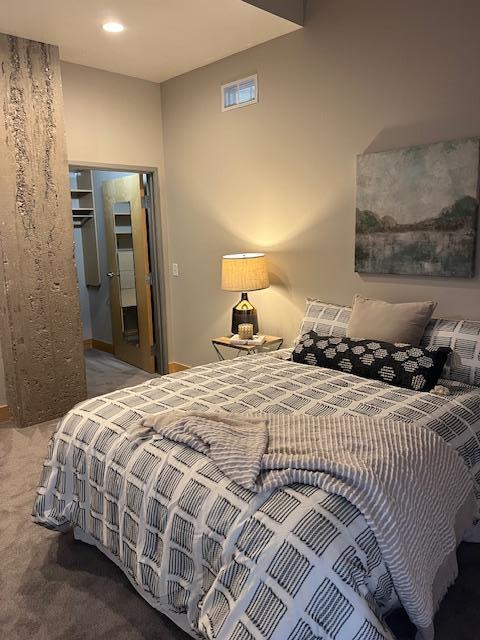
(293, 563)
(413, 490)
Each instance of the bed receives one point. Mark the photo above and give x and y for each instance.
(295, 563)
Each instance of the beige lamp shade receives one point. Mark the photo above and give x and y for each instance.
(244, 272)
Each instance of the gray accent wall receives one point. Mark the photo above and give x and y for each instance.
(279, 176)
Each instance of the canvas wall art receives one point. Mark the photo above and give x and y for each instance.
(417, 210)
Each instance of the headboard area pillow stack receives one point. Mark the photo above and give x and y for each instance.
(461, 336)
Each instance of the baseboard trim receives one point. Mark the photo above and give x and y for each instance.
(93, 343)
(4, 413)
(175, 367)
(102, 346)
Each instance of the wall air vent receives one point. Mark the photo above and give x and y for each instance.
(240, 93)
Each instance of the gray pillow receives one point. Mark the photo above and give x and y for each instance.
(378, 320)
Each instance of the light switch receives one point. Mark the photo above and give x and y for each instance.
(174, 269)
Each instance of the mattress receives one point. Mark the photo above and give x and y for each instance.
(295, 563)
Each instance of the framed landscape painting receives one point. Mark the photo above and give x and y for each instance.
(417, 210)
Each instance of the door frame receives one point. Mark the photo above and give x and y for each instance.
(157, 254)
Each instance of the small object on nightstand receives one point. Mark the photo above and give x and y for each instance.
(270, 343)
(254, 341)
(245, 331)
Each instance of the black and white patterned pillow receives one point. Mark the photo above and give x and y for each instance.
(324, 318)
(402, 365)
(463, 337)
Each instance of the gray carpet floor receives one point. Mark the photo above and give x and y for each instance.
(105, 373)
(54, 588)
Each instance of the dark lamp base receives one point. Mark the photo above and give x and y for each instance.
(242, 312)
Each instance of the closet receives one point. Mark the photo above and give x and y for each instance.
(83, 214)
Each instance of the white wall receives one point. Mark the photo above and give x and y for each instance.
(279, 176)
(111, 119)
(114, 121)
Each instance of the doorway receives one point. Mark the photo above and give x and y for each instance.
(117, 267)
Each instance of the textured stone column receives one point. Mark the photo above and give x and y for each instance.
(40, 326)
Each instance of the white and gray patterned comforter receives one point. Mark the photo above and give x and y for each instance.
(294, 563)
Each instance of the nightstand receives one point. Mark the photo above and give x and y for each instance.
(272, 343)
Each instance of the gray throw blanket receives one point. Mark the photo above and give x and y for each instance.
(413, 490)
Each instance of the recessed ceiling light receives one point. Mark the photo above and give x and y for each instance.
(113, 27)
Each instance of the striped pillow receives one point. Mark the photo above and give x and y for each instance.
(463, 337)
(324, 318)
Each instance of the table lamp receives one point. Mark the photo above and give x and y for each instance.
(244, 272)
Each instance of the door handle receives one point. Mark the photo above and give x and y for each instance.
(111, 275)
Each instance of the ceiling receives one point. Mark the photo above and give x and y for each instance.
(162, 38)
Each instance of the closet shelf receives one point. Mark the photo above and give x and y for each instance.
(83, 217)
(80, 219)
(78, 193)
